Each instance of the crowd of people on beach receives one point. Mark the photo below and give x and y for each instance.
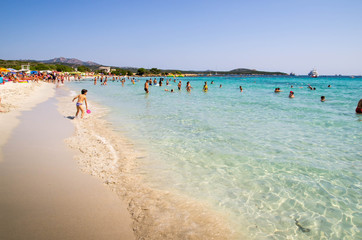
(35, 76)
(60, 78)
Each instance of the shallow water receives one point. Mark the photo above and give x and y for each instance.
(278, 166)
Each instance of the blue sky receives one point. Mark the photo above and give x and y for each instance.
(294, 35)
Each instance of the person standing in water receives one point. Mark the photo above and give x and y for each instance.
(241, 89)
(81, 98)
(291, 94)
(359, 107)
(179, 85)
(205, 88)
(146, 86)
(188, 86)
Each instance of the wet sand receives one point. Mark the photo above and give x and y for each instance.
(113, 159)
(44, 195)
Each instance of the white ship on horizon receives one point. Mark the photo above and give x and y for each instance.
(313, 73)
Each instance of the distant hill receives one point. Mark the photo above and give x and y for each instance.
(70, 61)
(253, 71)
(57, 63)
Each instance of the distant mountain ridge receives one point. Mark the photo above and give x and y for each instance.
(70, 61)
(93, 66)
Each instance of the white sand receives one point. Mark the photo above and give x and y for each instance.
(156, 214)
(43, 195)
(17, 97)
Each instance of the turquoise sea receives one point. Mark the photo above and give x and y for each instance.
(281, 168)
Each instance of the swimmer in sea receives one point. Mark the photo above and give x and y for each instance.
(277, 90)
(81, 98)
(291, 94)
(220, 86)
(146, 86)
(323, 98)
(359, 107)
(188, 86)
(205, 88)
(241, 89)
(179, 85)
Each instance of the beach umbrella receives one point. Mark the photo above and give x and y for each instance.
(4, 70)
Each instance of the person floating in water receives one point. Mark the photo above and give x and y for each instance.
(277, 90)
(205, 88)
(81, 98)
(359, 107)
(291, 94)
(323, 98)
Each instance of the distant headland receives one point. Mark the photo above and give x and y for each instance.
(63, 64)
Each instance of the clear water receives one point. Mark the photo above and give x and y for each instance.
(265, 159)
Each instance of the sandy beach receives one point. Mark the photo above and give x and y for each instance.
(43, 193)
(156, 214)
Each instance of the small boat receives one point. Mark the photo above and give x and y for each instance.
(313, 73)
(292, 74)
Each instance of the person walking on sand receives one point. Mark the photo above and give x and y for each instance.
(81, 98)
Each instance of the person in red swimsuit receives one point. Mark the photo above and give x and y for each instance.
(359, 107)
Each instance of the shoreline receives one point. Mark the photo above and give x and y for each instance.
(156, 214)
(43, 193)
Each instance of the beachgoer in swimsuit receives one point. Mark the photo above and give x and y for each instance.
(323, 98)
(359, 107)
(179, 85)
(188, 86)
(241, 89)
(81, 98)
(291, 94)
(146, 86)
(205, 88)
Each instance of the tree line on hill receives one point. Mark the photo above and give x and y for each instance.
(66, 67)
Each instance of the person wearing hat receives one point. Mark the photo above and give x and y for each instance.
(291, 94)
